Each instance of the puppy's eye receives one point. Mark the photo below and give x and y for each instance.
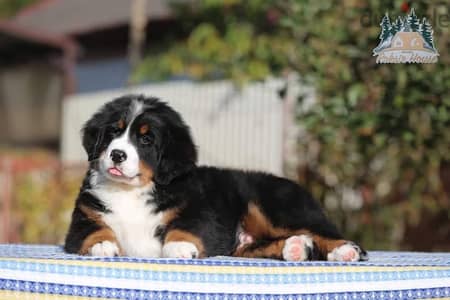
(145, 139)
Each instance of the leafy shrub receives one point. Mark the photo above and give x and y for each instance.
(43, 204)
(43, 195)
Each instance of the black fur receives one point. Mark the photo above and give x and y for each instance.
(215, 200)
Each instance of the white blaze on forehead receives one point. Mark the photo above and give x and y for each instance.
(136, 108)
(129, 167)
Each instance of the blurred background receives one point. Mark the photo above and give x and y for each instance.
(289, 87)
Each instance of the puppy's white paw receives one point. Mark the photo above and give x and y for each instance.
(298, 248)
(244, 239)
(105, 248)
(179, 250)
(347, 252)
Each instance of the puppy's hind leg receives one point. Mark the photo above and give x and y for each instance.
(339, 249)
(348, 252)
(294, 248)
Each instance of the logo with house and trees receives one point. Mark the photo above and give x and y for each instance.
(406, 40)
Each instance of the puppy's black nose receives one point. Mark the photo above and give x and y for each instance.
(118, 156)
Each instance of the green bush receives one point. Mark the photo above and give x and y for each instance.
(43, 203)
(43, 195)
(378, 130)
(9, 7)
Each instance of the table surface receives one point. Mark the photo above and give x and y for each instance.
(33, 271)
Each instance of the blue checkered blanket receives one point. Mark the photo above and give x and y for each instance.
(40, 271)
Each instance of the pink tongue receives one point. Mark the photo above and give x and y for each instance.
(115, 172)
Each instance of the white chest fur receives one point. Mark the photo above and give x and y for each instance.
(131, 218)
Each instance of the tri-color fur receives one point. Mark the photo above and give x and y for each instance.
(145, 196)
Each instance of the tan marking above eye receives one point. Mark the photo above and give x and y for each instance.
(144, 129)
(121, 124)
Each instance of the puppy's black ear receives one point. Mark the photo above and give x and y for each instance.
(93, 135)
(178, 155)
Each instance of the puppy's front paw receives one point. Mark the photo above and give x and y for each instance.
(298, 248)
(347, 252)
(105, 248)
(179, 250)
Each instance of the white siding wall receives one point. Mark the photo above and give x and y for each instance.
(239, 130)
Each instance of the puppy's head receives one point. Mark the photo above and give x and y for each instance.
(135, 140)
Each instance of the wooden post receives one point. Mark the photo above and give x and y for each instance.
(138, 22)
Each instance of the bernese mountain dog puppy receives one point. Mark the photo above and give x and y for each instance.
(144, 196)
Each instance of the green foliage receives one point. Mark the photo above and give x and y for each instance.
(228, 39)
(381, 130)
(43, 203)
(9, 7)
(43, 196)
